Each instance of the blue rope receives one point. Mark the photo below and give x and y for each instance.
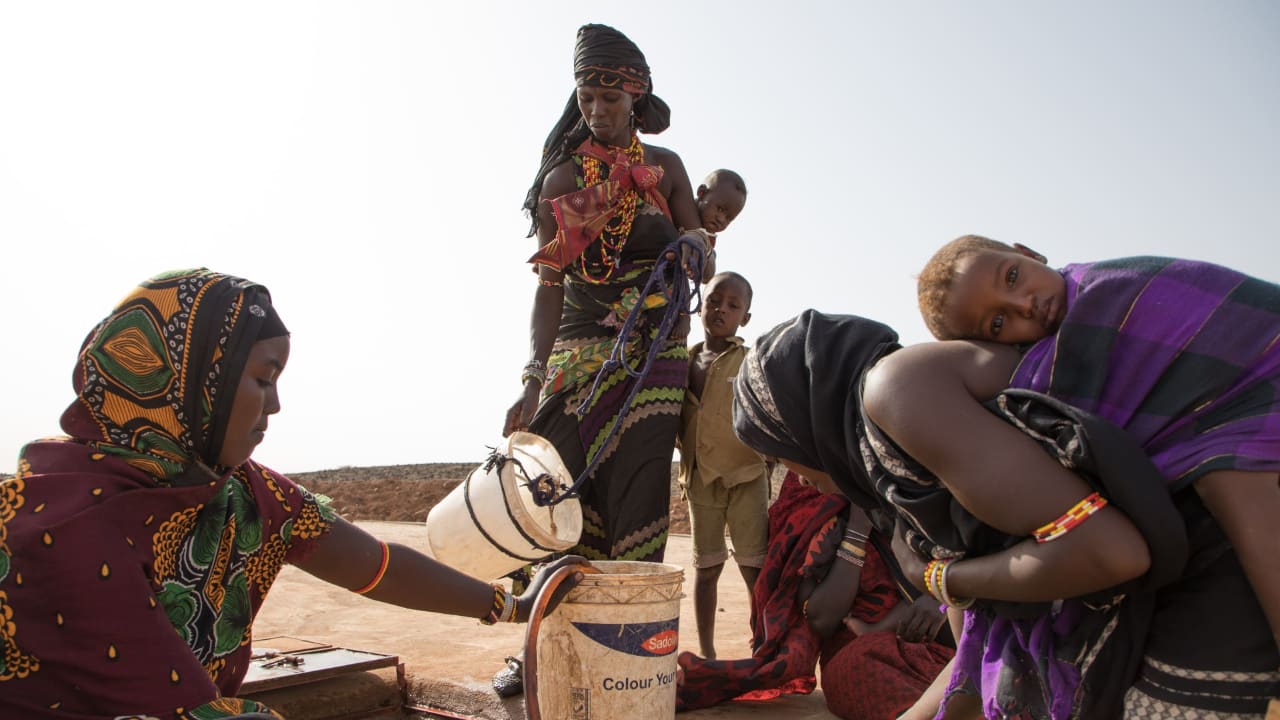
(678, 295)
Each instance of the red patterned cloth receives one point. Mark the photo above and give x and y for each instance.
(581, 215)
(786, 650)
(805, 526)
(879, 675)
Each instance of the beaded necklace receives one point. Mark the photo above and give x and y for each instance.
(618, 228)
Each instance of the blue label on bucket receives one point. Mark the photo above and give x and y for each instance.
(651, 639)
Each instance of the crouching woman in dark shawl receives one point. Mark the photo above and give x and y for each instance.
(831, 590)
(1040, 657)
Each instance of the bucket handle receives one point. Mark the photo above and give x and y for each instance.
(531, 633)
(542, 486)
(497, 459)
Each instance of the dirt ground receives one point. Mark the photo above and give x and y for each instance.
(449, 660)
(393, 502)
(379, 493)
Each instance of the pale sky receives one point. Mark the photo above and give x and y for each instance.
(367, 162)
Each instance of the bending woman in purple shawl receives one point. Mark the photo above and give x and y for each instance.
(967, 487)
(1181, 354)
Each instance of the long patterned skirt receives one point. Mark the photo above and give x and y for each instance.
(626, 498)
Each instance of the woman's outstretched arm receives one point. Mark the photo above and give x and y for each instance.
(349, 557)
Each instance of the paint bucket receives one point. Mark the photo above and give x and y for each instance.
(490, 525)
(608, 651)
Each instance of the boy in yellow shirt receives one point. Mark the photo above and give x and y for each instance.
(726, 483)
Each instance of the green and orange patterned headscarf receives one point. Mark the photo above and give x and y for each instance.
(156, 379)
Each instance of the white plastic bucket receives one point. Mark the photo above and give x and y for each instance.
(608, 651)
(489, 525)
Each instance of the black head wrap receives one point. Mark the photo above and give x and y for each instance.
(796, 396)
(602, 57)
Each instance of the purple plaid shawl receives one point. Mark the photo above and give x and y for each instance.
(1182, 354)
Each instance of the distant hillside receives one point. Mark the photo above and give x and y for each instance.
(426, 471)
(408, 492)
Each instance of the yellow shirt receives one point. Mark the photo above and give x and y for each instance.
(706, 437)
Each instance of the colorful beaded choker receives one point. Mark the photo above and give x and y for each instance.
(616, 231)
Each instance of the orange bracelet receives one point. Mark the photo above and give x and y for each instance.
(382, 570)
(1070, 519)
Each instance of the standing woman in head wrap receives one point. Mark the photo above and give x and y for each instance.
(136, 551)
(604, 206)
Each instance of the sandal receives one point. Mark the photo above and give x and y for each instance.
(509, 681)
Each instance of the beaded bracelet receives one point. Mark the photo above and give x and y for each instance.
(852, 553)
(946, 599)
(550, 283)
(509, 611)
(382, 570)
(534, 370)
(853, 548)
(504, 607)
(933, 578)
(1078, 513)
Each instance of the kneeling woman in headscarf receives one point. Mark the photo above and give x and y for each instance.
(831, 590)
(136, 551)
(831, 595)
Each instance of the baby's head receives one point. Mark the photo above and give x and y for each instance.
(720, 198)
(977, 288)
(726, 304)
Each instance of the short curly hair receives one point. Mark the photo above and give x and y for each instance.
(933, 285)
(736, 276)
(723, 175)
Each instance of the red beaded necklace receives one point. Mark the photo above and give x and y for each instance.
(618, 228)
